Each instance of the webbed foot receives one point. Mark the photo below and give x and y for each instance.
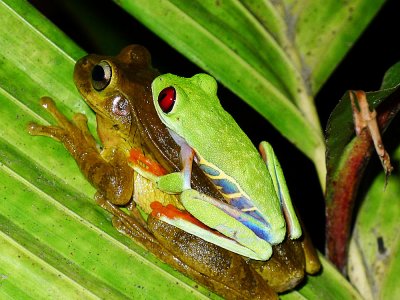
(67, 132)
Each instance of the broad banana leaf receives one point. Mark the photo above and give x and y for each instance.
(55, 242)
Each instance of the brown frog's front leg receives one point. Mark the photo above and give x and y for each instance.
(113, 177)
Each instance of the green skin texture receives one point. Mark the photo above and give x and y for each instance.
(198, 118)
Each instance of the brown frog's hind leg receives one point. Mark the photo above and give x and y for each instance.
(134, 227)
(313, 265)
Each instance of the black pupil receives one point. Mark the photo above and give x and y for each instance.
(98, 73)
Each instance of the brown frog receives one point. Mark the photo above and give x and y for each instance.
(118, 90)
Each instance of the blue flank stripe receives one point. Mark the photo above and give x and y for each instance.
(261, 230)
(227, 187)
(243, 203)
(251, 219)
(209, 171)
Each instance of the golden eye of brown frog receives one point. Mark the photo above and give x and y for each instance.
(101, 75)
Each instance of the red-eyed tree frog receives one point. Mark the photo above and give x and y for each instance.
(258, 207)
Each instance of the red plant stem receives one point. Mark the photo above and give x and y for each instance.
(339, 210)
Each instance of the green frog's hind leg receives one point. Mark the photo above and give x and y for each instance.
(228, 220)
(281, 189)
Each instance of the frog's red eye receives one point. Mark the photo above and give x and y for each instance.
(101, 75)
(166, 99)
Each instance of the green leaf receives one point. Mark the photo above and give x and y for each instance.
(391, 78)
(55, 242)
(374, 262)
(276, 59)
(325, 33)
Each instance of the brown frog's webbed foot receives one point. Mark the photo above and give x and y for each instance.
(55, 132)
(51, 131)
(64, 130)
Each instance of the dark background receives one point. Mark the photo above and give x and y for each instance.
(102, 27)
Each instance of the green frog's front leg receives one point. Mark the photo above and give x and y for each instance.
(112, 178)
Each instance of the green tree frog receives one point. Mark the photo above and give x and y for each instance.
(258, 205)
